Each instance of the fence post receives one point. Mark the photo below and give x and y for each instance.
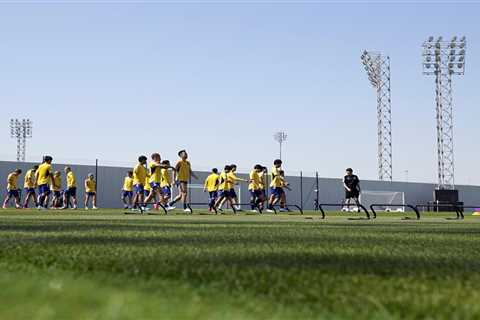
(317, 192)
(301, 190)
(96, 178)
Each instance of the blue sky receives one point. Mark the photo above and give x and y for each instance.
(112, 81)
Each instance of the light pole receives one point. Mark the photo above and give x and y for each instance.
(280, 137)
(443, 59)
(377, 66)
(21, 130)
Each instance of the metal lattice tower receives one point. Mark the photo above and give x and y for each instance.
(443, 59)
(21, 130)
(280, 137)
(377, 66)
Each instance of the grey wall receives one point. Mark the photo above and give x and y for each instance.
(110, 182)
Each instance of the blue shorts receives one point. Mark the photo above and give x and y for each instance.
(256, 193)
(277, 192)
(29, 190)
(91, 193)
(146, 193)
(71, 192)
(166, 191)
(127, 194)
(44, 189)
(13, 193)
(224, 193)
(138, 188)
(154, 185)
(233, 194)
(213, 195)
(57, 194)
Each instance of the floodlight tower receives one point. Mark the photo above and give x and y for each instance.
(443, 59)
(377, 66)
(280, 137)
(21, 130)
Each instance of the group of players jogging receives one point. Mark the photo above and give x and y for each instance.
(150, 183)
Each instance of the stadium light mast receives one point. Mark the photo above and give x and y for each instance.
(377, 66)
(443, 59)
(280, 137)
(21, 130)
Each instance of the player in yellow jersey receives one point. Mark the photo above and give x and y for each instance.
(233, 195)
(139, 179)
(211, 186)
(255, 188)
(278, 185)
(154, 180)
(147, 189)
(71, 191)
(29, 184)
(56, 188)
(224, 187)
(12, 189)
(166, 184)
(182, 174)
(91, 191)
(43, 176)
(127, 190)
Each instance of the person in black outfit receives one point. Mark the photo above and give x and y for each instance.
(351, 183)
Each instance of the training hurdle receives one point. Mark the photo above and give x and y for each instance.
(367, 214)
(417, 213)
(288, 206)
(458, 210)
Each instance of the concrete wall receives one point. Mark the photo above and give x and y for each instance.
(110, 181)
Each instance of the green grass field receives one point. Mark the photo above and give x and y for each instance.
(106, 265)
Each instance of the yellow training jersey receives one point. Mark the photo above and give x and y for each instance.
(233, 179)
(183, 170)
(128, 184)
(225, 182)
(90, 185)
(43, 174)
(274, 172)
(56, 183)
(139, 174)
(155, 172)
(212, 182)
(30, 179)
(166, 178)
(278, 182)
(255, 181)
(71, 180)
(12, 181)
(262, 183)
(146, 185)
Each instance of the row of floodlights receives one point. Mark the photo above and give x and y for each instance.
(372, 65)
(440, 54)
(20, 128)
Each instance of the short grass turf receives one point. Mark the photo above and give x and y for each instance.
(107, 265)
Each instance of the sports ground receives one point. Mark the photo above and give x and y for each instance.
(107, 265)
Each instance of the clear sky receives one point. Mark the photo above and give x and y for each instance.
(112, 81)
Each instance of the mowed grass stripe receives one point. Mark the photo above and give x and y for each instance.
(313, 269)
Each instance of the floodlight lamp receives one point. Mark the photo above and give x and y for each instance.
(461, 59)
(452, 52)
(462, 52)
(430, 39)
(463, 39)
(454, 38)
(427, 65)
(452, 58)
(462, 45)
(460, 65)
(429, 58)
